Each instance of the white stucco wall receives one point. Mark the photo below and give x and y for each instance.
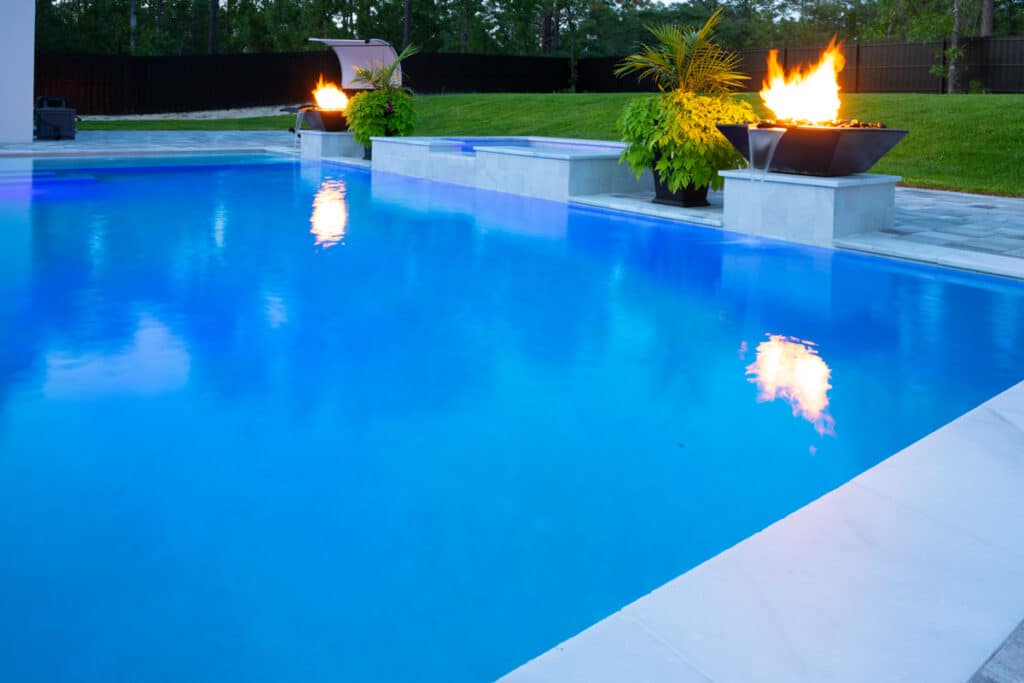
(17, 69)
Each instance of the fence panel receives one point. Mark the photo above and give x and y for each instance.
(754, 63)
(113, 84)
(997, 63)
(454, 72)
(900, 67)
(597, 74)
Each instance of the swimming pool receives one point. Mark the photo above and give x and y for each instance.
(266, 420)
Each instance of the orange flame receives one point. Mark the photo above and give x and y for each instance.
(810, 94)
(329, 96)
(791, 369)
(330, 214)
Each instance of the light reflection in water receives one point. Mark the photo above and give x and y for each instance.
(330, 214)
(791, 369)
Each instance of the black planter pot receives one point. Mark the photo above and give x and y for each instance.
(688, 196)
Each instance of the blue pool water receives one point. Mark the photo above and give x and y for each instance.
(470, 145)
(266, 421)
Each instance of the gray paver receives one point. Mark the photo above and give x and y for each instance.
(934, 237)
(993, 243)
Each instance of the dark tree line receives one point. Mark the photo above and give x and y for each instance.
(545, 27)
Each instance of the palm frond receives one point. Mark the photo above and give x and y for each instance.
(380, 75)
(684, 58)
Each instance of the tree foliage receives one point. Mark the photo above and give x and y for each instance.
(583, 28)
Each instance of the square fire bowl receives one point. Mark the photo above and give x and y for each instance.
(807, 209)
(822, 151)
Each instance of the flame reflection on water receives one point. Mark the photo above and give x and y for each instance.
(330, 214)
(791, 369)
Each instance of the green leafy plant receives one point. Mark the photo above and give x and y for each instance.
(385, 110)
(378, 113)
(674, 133)
(685, 58)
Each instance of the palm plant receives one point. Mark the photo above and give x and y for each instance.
(684, 58)
(378, 76)
(384, 110)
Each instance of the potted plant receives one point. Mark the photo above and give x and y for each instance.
(674, 133)
(384, 110)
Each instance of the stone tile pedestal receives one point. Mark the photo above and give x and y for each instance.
(808, 209)
(318, 144)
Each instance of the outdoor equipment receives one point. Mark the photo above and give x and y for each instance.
(54, 119)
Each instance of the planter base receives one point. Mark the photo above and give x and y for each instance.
(688, 196)
(689, 204)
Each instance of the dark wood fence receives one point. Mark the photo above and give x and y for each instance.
(101, 84)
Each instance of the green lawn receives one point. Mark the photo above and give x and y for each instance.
(972, 143)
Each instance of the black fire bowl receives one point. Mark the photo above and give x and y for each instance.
(328, 120)
(807, 150)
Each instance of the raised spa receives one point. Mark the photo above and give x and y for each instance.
(548, 168)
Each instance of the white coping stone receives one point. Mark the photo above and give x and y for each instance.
(807, 209)
(318, 144)
(556, 174)
(642, 205)
(912, 571)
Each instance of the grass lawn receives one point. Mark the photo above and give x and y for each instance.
(972, 143)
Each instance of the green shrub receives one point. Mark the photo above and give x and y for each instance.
(377, 113)
(674, 133)
(387, 108)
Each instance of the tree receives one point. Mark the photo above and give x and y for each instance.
(132, 23)
(406, 23)
(954, 53)
(211, 28)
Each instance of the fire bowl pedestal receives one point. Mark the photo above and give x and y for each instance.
(808, 209)
(317, 144)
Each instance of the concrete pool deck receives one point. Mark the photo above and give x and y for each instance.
(909, 572)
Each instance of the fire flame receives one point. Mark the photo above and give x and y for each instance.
(330, 214)
(329, 96)
(805, 95)
(791, 369)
